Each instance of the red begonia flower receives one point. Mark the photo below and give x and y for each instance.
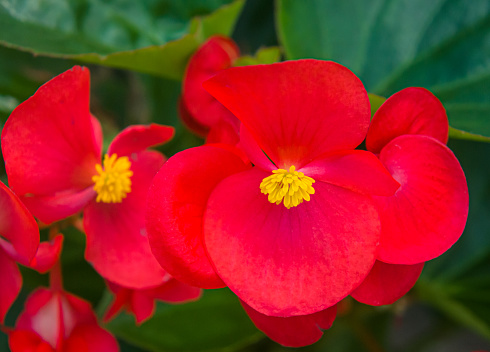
(52, 150)
(427, 214)
(56, 321)
(289, 259)
(386, 283)
(19, 241)
(199, 111)
(141, 303)
(295, 331)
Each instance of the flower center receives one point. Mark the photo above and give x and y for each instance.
(113, 182)
(292, 186)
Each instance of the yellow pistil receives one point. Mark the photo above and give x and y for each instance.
(291, 186)
(113, 182)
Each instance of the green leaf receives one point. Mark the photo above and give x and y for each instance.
(215, 322)
(146, 36)
(443, 45)
(262, 56)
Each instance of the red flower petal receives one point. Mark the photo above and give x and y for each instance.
(60, 319)
(176, 204)
(47, 254)
(225, 132)
(216, 54)
(137, 138)
(27, 341)
(10, 283)
(50, 143)
(90, 338)
(285, 262)
(295, 331)
(410, 111)
(428, 213)
(386, 283)
(356, 170)
(189, 121)
(117, 244)
(304, 117)
(142, 302)
(253, 151)
(18, 227)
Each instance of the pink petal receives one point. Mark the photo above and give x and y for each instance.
(176, 204)
(47, 254)
(54, 315)
(386, 283)
(410, 111)
(10, 283)
(356, 170)
(17, 227)
(295, 331)
(50, 143)
(295, 118)
(216, 54)
(427, 214)
(296, 261)
(117, 243)
(137, 138)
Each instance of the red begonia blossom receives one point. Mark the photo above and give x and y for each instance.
(56, 321)
(141, 303)
(428, 213)
(298, 231)
(52, 149)
(199, 111)
(19, 241)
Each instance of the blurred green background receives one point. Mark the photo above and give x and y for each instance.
(137, 52)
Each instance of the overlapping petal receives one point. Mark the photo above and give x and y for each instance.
(176, 204)
(141, 303)
(427, 214)
(295, 331)
(50, 142)
(10, 283)
(54, 320)
(285, 262)
(117, 242)
(137, 138)
(305, 117)
(410, 111)
(215, 55)
(386, 283)
(47, 254)
(19, 234)
(356, 170)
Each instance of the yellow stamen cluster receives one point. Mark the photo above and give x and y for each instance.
(291, 186)
(113, 182)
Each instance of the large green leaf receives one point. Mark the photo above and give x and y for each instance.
(443, 45)
(215, 322)
(149, 36)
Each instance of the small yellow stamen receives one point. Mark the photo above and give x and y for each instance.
(290, 187)
(113, 182)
